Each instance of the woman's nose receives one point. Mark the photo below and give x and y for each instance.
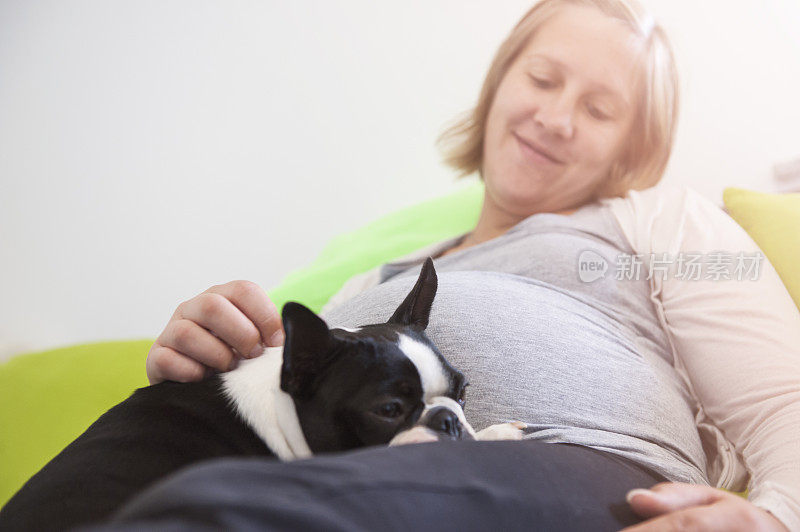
(555, 116)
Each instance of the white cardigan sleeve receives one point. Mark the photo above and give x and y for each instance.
(736, 343)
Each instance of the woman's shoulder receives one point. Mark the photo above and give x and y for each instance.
(661, 200)
(661, 216)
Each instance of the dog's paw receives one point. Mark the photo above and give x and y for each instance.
(502, 431)
(414, 435)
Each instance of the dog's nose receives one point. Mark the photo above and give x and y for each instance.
(443, 420)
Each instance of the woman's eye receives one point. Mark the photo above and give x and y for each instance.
(543, 83)
(390, 410)
(597, 113)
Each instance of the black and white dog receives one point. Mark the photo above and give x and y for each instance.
(325, 390)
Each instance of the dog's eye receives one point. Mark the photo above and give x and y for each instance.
(390, 410)
(462, 396)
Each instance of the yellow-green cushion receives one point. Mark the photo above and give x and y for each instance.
(48, 398)
(773, 222)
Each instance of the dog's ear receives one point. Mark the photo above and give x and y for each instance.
(307, 350)
(416, 307)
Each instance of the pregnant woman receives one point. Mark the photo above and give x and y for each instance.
(644, 377)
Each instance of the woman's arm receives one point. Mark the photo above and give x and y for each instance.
(736, 343)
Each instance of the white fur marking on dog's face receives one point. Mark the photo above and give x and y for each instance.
(429, 367)
(453, 407)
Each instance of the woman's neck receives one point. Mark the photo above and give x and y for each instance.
(494, 222)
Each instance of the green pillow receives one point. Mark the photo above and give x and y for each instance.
(49, 398)
(773, 222)
(390, 237)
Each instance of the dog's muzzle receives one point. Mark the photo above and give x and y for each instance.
(443, 419)
(444, 422)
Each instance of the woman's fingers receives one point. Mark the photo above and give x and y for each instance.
(223, 322)
(698, 518)
(682, 506)
(212, 330)
(671, 496)
(252, 301)
(164, 363)
(189, 339)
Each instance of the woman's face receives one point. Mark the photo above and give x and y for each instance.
(570, 92)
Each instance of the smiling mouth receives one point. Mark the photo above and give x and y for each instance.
(537, 152)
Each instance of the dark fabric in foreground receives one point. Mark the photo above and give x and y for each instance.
(526, 485)
(158, 430)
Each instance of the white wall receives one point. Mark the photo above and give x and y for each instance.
(150, 149)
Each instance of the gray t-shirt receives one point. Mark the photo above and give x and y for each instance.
(579, 361)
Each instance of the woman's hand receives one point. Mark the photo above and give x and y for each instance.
(212, 330)
(682, 506)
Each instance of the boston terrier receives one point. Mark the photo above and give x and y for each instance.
(324, 390)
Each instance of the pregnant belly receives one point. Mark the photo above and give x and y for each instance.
(535, 353)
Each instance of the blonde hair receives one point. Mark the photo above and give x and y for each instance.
(656, 116)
